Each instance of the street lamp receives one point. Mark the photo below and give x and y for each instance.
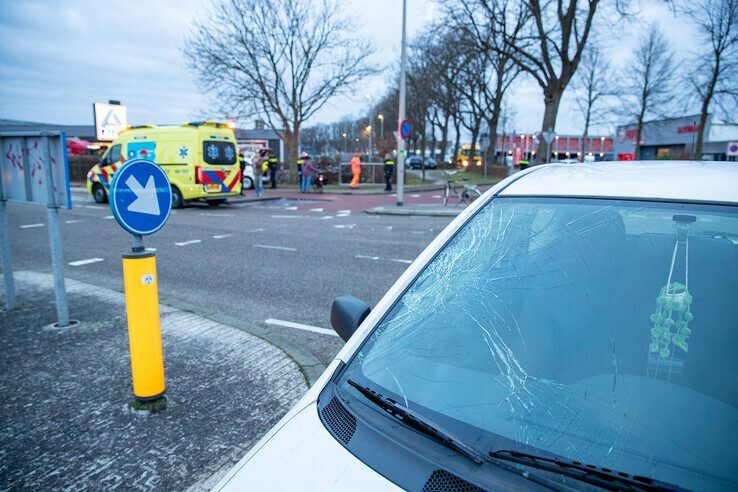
(345, 141)
(381, 128)
(368, 129)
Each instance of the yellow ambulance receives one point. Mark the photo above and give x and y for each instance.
(199, 158)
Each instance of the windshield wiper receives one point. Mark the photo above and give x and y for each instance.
(419, 423)
(592, 474)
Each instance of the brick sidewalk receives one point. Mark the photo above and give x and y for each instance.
(63, 396)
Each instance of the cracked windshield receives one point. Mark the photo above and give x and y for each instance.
(422, 245)
(599, 330)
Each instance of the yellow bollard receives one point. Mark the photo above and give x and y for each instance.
(144, 331)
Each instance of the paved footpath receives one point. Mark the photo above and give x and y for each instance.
(64, 418)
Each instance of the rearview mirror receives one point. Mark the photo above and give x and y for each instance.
(347, 313)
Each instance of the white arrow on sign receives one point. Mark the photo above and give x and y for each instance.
(146, 201)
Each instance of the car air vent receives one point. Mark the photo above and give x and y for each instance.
(443, 481)
(339, 420)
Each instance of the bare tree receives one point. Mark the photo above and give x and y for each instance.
(554, 45)
(650, 84)
(714, 77)
(592, 86)
(493, 30)
(281, 60)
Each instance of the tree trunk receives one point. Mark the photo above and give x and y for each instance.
(492, 148)
(457, 142)
(697, 151)
(552, 99)
(474, 137)
(637, 153)
(291, 144)
(444, 138)
(585, 134)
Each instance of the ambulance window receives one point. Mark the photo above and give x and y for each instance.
(113, 155)
(218, 153)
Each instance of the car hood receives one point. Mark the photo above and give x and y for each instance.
(303, 454)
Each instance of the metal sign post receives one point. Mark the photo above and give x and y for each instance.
(34, 170)
(57, 258)
(401, 115)
(141, 201)
(5, 248)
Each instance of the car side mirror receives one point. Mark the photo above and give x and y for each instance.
(347, 313)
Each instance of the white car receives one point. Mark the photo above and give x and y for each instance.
(576, 327)
(248, 179)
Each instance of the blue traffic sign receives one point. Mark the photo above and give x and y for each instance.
(140, 197)
(406, 128)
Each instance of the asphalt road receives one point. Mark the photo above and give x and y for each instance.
(283, 260)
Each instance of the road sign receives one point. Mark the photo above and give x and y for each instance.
(23, 168)
(406, 128)
(140, 197)
(732, 149)
(110, 119)
(547, 136)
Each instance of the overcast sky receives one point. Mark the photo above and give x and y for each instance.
(57, 57)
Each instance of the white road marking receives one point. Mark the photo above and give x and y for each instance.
(191, 241)
(316, 209)
(436, 196)
(286, 216)
(208, 214)
(93, 206)
(389, 228)
(401, 261)
(85, 262)
(108, 217)
(344, 226)
(364, 257)
(72, 221)
(266, 246)
(327, 217)
(417, 232)
(342, 215)
(300, 326)
(150, 250)
(344, 211)
(256, 230)
(221, 236)
(290, 208)
(414, 196)
(31, 226)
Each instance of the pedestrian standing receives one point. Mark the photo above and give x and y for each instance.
(258, 165)
(307, 173)
(242, 166)
(273, 165)
(355, 171)
(389, 167)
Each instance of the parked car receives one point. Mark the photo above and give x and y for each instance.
(574, 328)
(417, 162)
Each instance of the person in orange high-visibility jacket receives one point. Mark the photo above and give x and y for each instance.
(356, 171)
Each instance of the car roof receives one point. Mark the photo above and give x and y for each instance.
(709, 181)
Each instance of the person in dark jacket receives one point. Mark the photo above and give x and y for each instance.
(273, 164)
(389, 167)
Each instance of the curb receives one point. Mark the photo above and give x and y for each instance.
(438, 211)
(309, 365)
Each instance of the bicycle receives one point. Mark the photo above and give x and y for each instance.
(465, 193)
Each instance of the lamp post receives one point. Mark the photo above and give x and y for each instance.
(401, 114)
(345, 142)
(369, 132)
(381, 128)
